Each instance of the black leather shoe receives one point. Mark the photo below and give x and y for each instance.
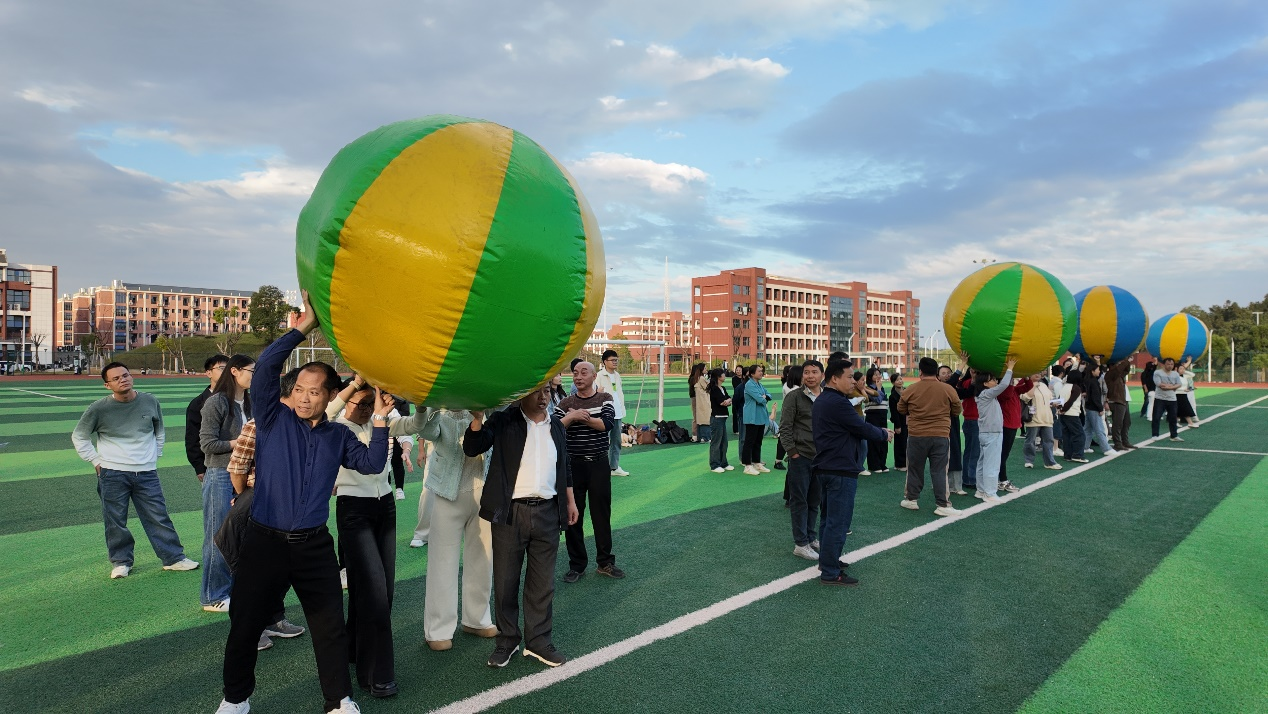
(384, 690)
(572, 576)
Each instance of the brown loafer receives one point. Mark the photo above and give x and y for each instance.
(440, 645)
(485, 632)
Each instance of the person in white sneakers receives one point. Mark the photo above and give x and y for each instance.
(609, 380)
(929, 404)
(755, 418)
(1039, 427)
(990, 429)
(796, 434)
(128, 428)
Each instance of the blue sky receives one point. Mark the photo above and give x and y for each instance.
(891, 142)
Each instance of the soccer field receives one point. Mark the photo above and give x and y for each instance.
(1132, 584)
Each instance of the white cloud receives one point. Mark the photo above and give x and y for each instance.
(56, 98)
(274, 180)
(660, 178)
(670, 66)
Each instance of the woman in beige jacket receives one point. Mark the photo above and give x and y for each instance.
(701, 408)
(1039, 398)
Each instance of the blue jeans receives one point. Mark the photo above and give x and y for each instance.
(1044, 434)
(614, 444)
(1095, 432)
(804, 494)
(988, 461)
(115, 488)
(217, 492)
(703, 432)
(972, 449)
(1072, 443)
(717, 443)
(838, 510)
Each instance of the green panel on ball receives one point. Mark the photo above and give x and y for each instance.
(988, 323)
(529, 290)
(353, 170)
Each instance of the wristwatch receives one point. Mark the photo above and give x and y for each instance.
(379, 418)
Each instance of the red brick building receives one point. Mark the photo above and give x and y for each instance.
(748, 315)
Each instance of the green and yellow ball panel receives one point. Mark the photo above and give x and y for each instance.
(1010, 309)
(1112, 322)
(1179, 336)
(451, 260)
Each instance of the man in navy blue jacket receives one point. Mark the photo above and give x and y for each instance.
(839, 432)
(298, 453)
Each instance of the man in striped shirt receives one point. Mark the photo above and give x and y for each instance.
(589, 417)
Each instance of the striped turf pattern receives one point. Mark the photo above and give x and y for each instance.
(974, 617)
(495, 240)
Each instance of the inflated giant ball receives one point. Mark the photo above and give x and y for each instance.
(1112, 322)
(451, 261)
(1179, 336)
(1010, 309)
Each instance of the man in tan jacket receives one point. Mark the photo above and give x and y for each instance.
(929, 405)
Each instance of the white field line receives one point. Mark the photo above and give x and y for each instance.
(42, 394)
(1207, 451)
(533, 682)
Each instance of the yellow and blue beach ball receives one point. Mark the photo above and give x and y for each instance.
(1179, 336)
(452, 261)
(1112, 322)
(1010, 309)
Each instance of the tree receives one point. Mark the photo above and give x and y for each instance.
(268, 311)
(625, 359)
(37, 340)
(1260, 363)
(229, 337)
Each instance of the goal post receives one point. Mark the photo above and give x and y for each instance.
(660, 386)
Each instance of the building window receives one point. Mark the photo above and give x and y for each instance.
(19, 299)
(20, 275)
(735, 324)
(696, 290)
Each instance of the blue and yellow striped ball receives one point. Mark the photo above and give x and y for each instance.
(1112, 322)
(1178, 336)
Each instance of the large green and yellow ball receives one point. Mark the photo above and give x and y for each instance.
(452, 261)
(1010, 309)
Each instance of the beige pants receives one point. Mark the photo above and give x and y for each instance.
(457, 526)
(425, 500)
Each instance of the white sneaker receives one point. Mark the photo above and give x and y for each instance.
(1112, 452)
(865, 472)
(729, 467)
(417, 543)
(218, 606)
(909, 505)
(120, 571)
(400, 494)
(718, 470)
(991, 498)
(961, 492)
(814, 544)
(762, 468)
(239, 708)
(182, 564)
(751, 470)
(343, 578)
(1054, 467)
(946, 511)
(347, 706)
(1029, 466)
(805, 551)
(1176, 438)
(979, 494)
(618, 471)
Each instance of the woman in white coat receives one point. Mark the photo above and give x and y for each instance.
(455, 482)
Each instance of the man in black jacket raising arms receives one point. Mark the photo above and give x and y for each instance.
(528, 500)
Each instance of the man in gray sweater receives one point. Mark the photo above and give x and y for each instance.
(128, 426)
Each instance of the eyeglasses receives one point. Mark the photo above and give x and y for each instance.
(363, 404)
(248, 369)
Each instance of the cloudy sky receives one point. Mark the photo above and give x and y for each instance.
(894, 142)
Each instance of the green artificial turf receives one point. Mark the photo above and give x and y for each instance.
(1194, 635)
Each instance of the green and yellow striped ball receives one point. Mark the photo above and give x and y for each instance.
(1010, 309)
(452, 261)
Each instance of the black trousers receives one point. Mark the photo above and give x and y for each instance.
(737, 416)
(751, 447)
(531, 534)
(367, 532)
(268, 566)
(877, 451)
(592, 484)
(900, 448)
(398, 464)
(1161, 406)
(1006, 448)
